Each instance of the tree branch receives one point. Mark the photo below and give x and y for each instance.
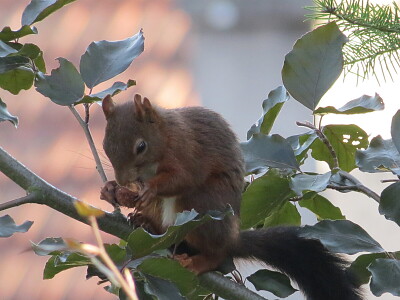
(30, 198)
(42, 192)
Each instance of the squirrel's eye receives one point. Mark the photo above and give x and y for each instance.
(141, 147)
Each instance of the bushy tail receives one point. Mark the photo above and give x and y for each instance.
(319, 273)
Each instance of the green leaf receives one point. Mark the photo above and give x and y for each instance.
(395, 130)
(64, 261)
(345, 140)
(48, 246)
(301, 144)
(17, 79)
(162, 289)
(271, 281)
(301, 183)
(286, 215)
(28, 50)
(385, 276)
(342, 236)
(6, 34)
(359, 267)
(9, 63)
(389, 206)
(5, 114)
(262, 151)
(37, 10)
(380, 156)
(64, 86)
(172, 271)
(271, 108)
(115, 89)
(104, 60)
(361, 105)
(6, 49)
(263, 197)
(143, 243)
(8, 226)
(314, 64)
(321, 207)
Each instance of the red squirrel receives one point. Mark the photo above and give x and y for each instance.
(189, 158)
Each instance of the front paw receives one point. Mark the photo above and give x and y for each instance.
(107, 192)
(137, 219)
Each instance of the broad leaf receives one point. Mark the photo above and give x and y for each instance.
(359, 267)
(389, 206)
(385, 276)
(314, 64)
(17, 79)
(286, 215)
(64, 261)
(6, 49)
(64, 86)
(380, 156)
(37, 10)
(301, 144)
(271, 281)
(48, 246)
(301, 183)
(143, 243)
(6, 34)
(263, 151)
(342, 236)
(271, 108)
(395, 130)
(115, 89)
(172, 271)
(321, 207)
(162, 289)
(104, 60)
(5, 114)
(8, 226)
(9, 63)
(263, 197)
(345, 140)
(361, 105)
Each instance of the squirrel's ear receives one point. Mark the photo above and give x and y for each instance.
(139, 110)
(108, 106)
(151, 114)
(144, 111)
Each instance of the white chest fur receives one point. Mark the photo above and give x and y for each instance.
(168, 211)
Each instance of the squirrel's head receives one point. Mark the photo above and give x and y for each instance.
(133, 139)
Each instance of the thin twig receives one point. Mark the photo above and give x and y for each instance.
(389, 180)
(357, 186)
(89, 138)
(324, 139)
(107, 260)
(30, 198)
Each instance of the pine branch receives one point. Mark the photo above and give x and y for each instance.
(373, 32)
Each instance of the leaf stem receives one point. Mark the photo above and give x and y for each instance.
(109, 263)
(89, 138)
(325, 140)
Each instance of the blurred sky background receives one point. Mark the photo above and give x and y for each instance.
(224, 54)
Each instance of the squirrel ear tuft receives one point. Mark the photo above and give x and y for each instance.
(108, 106)
(139, 110)
(144, 111)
